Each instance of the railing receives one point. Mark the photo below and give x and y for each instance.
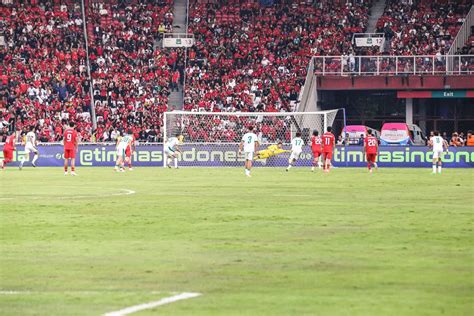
(393, 65)
(463, 33)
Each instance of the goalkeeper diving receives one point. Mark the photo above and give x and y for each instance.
(270, 151)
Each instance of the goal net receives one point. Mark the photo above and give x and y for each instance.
(212, 138)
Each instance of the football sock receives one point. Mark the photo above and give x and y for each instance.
(34, 159)
(289, 166)
(369, 165)
(176, 162)
(439, 169)
(434, 168)
(247, 171)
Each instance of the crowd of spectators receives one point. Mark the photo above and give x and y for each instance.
(43, 75)
(421, 27)
(411, 27)
(224, 128)
(468, 48)
(458, 139)
(250, 57)
(131, 77)
(44, 80)
(247, 57)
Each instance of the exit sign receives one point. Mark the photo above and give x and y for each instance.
(438, 94)
(449, 94)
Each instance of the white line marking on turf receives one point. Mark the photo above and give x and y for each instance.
(163, 301)
(72, 197)
(14, 292)
(127, 192)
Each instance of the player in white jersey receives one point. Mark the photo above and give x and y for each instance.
(438, 145)
(249, 145)
(172, 150)
(122, 144)
(297, 144)
(30, 147)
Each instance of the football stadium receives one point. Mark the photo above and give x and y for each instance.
(236, 157)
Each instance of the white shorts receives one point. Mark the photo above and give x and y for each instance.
(295, 155)
(169, 151)
(30, 149)
(248, 155)
(121, 151)
(437, 154)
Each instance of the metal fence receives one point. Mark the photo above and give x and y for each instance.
(394, 65)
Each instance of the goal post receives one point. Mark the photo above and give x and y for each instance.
(212, 138)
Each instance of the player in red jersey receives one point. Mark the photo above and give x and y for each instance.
(129, 152)
(371, 147)
(70, 148)
(8, 150)
(316, 148)
(329, 141)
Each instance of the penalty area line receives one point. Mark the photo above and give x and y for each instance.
(163, 301)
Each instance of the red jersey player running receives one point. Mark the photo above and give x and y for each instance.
(8, 150)
(329, 141)
(371, 147)
(70, 148)
(316, 148)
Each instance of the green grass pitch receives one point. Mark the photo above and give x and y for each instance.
(398, 242)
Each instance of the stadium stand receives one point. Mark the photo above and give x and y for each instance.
(422, 27)
(44, 80)
(131, 78)
(43, 73)
(253, 58)
(247, 57)
(468, 48)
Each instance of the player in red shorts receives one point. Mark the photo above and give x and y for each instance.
(70, 148)
(371, 147)
(316, 148)
(8, 150)
(329, 141)
(129, 152)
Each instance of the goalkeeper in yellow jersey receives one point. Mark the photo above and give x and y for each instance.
(270, 151)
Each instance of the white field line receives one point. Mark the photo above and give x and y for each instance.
(14, 292)
(72, 197)
(163, 301)
(125, 192)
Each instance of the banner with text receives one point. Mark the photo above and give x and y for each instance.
(226, 155)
